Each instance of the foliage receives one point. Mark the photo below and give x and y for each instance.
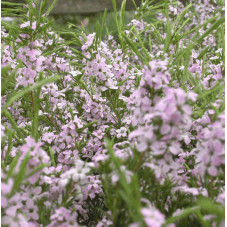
(118, 127)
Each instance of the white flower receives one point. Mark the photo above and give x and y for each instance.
(63, 182)
(122, 132)
(181, 67)
(75, 73)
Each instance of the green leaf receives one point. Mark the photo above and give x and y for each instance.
(201, 219)
(168, 29)
(122, 14)
(52, 157)
(183, 214)
(212, 208)
(13, 165)
(29, 89)
(38, 168)
(180, 17)
(51, 7)
(8, 82)
(47, 53)
(204, 51)
(20, 176)
(133, 46)
(14, 124)
(43, 5)
(35, 120)
(103, 23)
(10, 145)
(216, 88)
(88, 125)
(209, 31)
(199, 26)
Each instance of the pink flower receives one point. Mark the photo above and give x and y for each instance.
(31, 210)
(25, 24)
(122, 132)
(30, 145)
(34, 25)
(153, 217)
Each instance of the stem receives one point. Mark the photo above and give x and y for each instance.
(53, 123)
(32, 102)
(114, 109)
(139, 162)
(62, 83)
(211, 187)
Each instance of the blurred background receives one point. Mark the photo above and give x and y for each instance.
(87, 12)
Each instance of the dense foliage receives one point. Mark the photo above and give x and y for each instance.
(114, 128)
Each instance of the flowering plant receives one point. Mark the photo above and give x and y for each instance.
(114, 128)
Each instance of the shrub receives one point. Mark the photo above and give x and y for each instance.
(125, 130)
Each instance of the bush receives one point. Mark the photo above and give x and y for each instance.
(114, 128)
